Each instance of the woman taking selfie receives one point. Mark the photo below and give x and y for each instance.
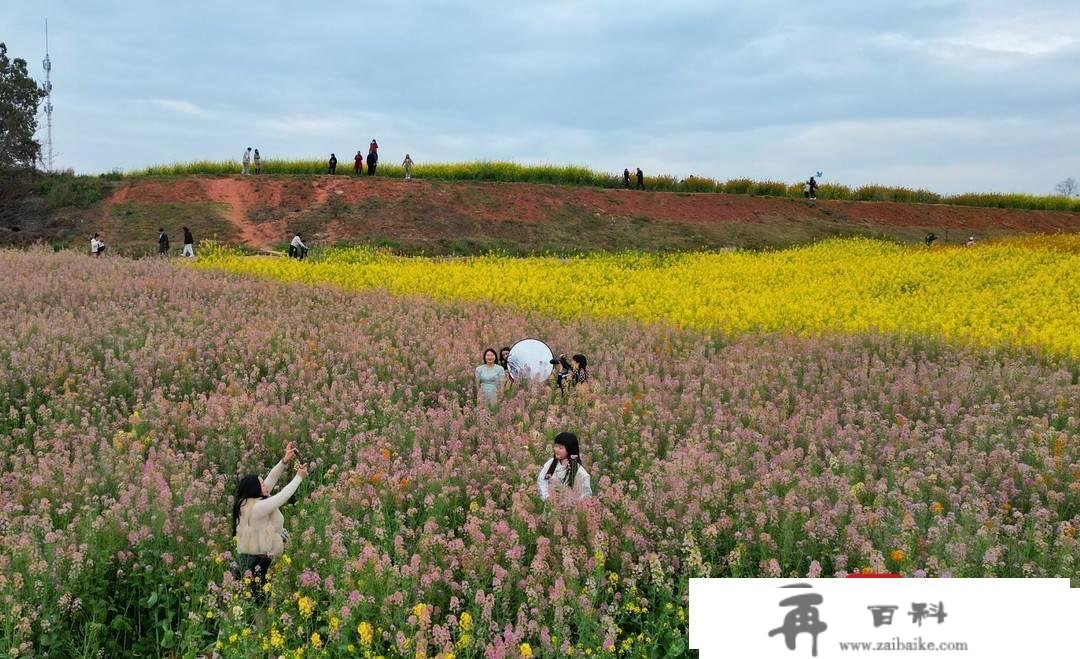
(258, 525)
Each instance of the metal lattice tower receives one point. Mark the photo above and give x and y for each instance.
(47, 64)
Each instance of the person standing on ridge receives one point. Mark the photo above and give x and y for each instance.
(189, 243)
(407, 166)
(813, 187)
(332, 165)
(372, 158)
(626, 178)
(640, 179)
(258, 162)
(358, 164)
(163, 243)
(247, 160)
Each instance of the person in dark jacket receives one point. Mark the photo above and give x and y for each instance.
(640, 179)
(372, 157)
(332, 165)
(162, 243)
(189, 243)
(626, 178)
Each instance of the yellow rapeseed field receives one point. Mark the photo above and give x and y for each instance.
(1024, 291)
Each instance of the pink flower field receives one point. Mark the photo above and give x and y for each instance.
(133, 393)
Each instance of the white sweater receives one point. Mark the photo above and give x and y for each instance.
(261, 527)
(582, 483)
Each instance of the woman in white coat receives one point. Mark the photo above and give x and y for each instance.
(564, 473)
(258, 525)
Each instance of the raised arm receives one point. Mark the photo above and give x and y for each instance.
(264, 507)
(275, 473)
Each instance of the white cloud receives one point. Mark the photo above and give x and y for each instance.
(179, 106)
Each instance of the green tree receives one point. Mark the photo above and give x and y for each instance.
(19, 98)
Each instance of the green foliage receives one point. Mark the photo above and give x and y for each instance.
(64, 190)
(19, 98)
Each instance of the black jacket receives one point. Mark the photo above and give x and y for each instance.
(163, 240)
(188, 238)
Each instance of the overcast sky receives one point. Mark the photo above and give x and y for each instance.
(950, 96)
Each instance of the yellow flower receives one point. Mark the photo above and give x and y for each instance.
(526, 650)
(209, 614)
(465, 622)
(233, 638)
(898, 555)
(464, 641)
(419, 610)
(937, 508)
(285, 559)
(335, 622)
(473, 506)
(365, 633)
(613, 578)
(276, 638)
(306, 605)
(833, 286)
(316, 640)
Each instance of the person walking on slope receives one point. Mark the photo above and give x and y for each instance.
(407, 166)
(332, 165)
(372, 158)
(640, 179)
(247, 160)
(358, 164)
(189, 243)
(258, 162)
(162, 243)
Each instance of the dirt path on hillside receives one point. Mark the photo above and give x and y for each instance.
(235, 194)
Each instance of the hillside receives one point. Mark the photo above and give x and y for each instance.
(438, 217)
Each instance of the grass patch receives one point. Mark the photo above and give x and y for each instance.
(132, 228)
(63, 191)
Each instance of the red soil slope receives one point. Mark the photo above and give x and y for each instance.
(291, 198)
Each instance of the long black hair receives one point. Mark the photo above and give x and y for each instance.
(247, 487)
(492, 351)
(569, 441)
(582, 373)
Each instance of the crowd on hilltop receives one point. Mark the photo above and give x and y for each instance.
(252, 162)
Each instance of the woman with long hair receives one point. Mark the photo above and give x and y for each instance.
(258, 525)
(490, 378)
(579, 367)
(563, 472)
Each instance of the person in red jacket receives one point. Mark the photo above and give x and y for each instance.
(358, 164)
